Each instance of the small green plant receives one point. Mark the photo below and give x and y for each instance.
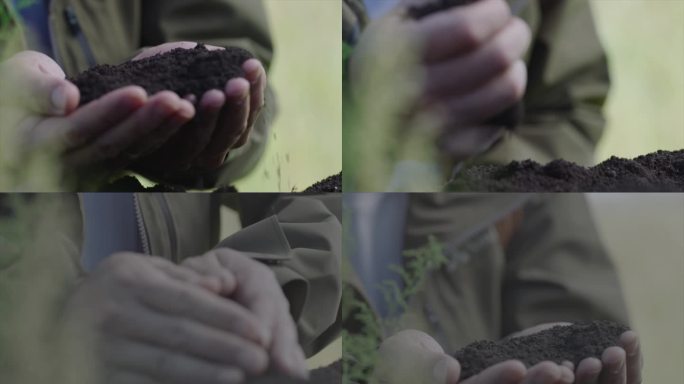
(361, 345)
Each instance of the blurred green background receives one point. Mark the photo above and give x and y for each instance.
(643, 234)
(307, 76)
(645, 43)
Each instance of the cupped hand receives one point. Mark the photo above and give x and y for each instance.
(620, 364)
(224, 120)
(257, 289)
(156, 322)
(102, 135)
(471, 67)
(412, 356)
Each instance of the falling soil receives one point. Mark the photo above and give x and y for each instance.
(183, 71)
(331, 374)
(329, 185)
(563, 343)
(661, 171)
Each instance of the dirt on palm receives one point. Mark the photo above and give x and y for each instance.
(183, 71)
(661, 171)
(562, 343)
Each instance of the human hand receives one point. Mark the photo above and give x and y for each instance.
(619, 364)
(257, 290)
(101, 135)
(155, 322)
(414, 357)
(471, 69)
(224, 121)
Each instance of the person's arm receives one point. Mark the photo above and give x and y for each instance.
(226, 23)
(567, 87)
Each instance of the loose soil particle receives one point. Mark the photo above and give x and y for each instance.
(183, 71)
(331, 374)
(563, 343)
(329, 185)
(661, 171)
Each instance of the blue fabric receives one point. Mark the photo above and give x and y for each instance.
(110, 226)
(377, 226)
(34, 14)
(378, 8)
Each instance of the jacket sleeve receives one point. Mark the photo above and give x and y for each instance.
(299, 238)
(568, 83)
(558, 269)
(225, 23)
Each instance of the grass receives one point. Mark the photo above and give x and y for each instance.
(307, 143)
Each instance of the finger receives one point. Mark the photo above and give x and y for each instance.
(163, 133)
(187, 337)
(188, 275)
(545, 372)
(614, 366)
(507, 372)
(37, 83)
(208, 265)
(256, 76)
(231, 124)
(567, 375)
(490, 100)
(168, 366)
(461, 29)
(193, 303)
(288, 356)
(568, 364)
(257, 289)
(110, 146)
(588, 371)
(446, 370)
(123, 377)
(629, 341)
(464, 74)
(92, 120)
(190, 143)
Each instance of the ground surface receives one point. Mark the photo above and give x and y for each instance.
(562, 343)
(183, 71)
(657, 172)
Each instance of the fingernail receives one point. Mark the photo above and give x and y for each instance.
(439, 371)
(59, 99)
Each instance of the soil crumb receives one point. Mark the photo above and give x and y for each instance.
(331, 374)
(662, 171)
(330, 185)
(563, 343)
(183, 71)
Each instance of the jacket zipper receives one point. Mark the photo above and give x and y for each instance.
(173, 236)
(144, 239)
(75, 28)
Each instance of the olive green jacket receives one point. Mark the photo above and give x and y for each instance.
(513, 261)
(89, 32)
(297, 236)
(567, 87)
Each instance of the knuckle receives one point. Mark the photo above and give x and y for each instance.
(468, 35)
(179, 334)
(501, 59)
(112, 316)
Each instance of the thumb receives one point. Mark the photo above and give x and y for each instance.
(37, 84)
(446, 370)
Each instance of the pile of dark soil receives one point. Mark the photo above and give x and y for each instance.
(331, 374)
(661, 171)
(329, 185)
(563, 343)
(183, 71)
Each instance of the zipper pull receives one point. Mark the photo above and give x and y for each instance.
(75, 28)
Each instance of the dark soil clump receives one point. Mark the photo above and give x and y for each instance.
(330, 185)
(558, 344)
(661, 171)
(183, 71)
(331, 374)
